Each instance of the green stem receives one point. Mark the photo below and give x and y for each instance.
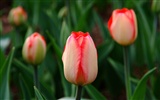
(79, 91)
(36, 77)
(127, 73)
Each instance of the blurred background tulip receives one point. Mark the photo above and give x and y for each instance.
(123, 26)
(34, 49)
(17, 16)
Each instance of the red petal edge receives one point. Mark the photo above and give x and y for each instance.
(133, 23)
(109, 26)
(77, 34)
(35, 34)
(123, 10)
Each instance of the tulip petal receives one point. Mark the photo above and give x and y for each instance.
(39, 45)
(81, 75)
(71, 59)
(89, 60)
(122, 29)
(135, 25)
(25, 50)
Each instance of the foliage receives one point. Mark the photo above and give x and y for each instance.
(55, 20)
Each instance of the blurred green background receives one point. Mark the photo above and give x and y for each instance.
(55, 20)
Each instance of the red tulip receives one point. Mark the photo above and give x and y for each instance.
(80, 59)
(123, 26)
(34, 49)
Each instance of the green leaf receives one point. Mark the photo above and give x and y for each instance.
(62, 12)
(24, 88)
(156, 88)
(2, 58)
(65, 32)
(47, 90)
(66, 85)
(4, 77)
(94, 93)
(55, 46)
(150, 95)
(38, 94)
(82, 20)
(104, 49)
(27, 73)
(70, 98)
(29, 31)
(17, 39)
(23, 68)
(117, 4)
(146, 38)
(102, 26)
(36, 12)
(58, 51)
(140, 90)
(118, 68)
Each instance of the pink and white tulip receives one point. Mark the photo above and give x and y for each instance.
(123, 26)
(80, 59)
(34, 49)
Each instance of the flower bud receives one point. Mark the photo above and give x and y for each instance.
(123, 26)
(80, 59)
(34, 49)
(17, 16)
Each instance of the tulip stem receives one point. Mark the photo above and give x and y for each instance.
(36, 76)
(78, 93)
(127, 73)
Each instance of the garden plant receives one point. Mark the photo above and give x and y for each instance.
(80, 50)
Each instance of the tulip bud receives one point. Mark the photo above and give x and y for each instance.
(17, 16)
(80, 59)
(123, 26)
(34, 49)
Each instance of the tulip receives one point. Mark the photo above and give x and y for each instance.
(80, 59)
(17, 16)
(34, 49)
(123, 26)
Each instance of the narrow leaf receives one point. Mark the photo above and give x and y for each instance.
(118, 68)
(103, 28)
(82, 20)
(29, 32)
(65, 32)
(66, 85)
(94, 93)
(146, 37)
(140, 90)
(55, 46)
(104, 49)
(38, 94)
(4, 77)
(24, 88)
(2, 58)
